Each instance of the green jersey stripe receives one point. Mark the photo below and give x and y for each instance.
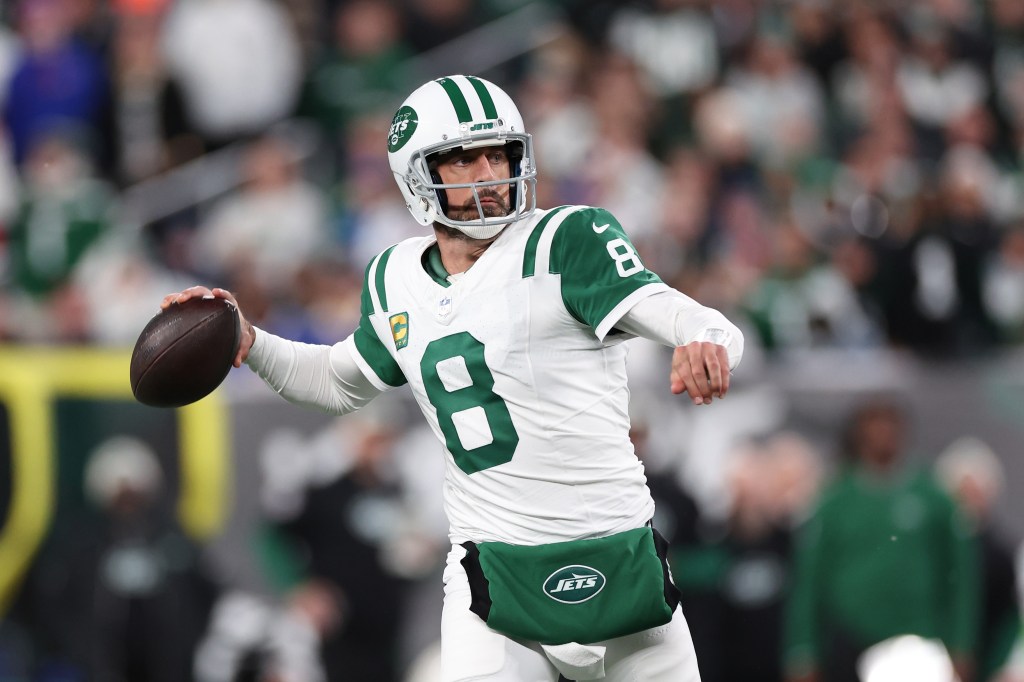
(490, 111)
(457, 98)
(382, 293)
(376, 356)
(530, 254)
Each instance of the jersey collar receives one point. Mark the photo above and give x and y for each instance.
(434, 267)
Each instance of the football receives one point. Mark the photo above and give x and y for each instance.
(185, 352)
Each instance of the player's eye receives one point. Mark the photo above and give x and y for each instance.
(498, 157)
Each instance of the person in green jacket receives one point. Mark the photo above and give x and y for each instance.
(885, 553)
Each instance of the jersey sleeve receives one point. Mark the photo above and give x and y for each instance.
(602, 274)
(371, 353)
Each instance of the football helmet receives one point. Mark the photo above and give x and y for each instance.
(460, 112)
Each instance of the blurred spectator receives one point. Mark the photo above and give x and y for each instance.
(65, 211)
(936, 85)
(238, 64)
(57, 83)
(780, 102)
(150, 123)
(250, 639)
(867, 76)
(680, 246)
(325, 303)
(738, 631)
(974, 476)
(122, 595)
(559, 112)
(801, 304)
(673, 42)
(1008, 60)
(736, 22)
(1004, 286)
(370, 216)
(273, 225)
(931, 268)
(817, 38)
(362, 71)
(968, 175)
(618, 170)
(885, 553)
(341, 514)
(115, 266)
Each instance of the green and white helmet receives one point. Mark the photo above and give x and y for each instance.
(460, 112)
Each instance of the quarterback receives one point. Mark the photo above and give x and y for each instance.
(507, 323)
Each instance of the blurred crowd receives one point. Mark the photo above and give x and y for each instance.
(831, 174)
(823, 562)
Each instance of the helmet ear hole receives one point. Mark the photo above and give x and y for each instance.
(442, 195)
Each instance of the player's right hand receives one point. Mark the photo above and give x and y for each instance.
(701, 369)
(248, 335)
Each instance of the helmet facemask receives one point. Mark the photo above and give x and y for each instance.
(426, 183)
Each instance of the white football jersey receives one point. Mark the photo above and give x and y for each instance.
(513, 367)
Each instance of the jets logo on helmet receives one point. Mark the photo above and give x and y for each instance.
(460, 112)
(402, 128)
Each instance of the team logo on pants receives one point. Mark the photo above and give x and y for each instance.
(574, 584)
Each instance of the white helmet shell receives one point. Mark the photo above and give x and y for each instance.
(460, 112)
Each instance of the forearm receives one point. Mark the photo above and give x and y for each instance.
(674, 319)
(325, 377)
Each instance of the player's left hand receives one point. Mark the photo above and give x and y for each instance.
(701, 369)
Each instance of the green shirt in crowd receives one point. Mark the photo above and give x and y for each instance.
(881, 558)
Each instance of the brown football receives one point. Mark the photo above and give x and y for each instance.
(185, 352)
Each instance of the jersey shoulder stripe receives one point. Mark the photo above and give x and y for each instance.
(373, 301)
(533, 241)
(378, 268)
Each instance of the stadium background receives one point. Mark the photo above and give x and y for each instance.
(842, 179)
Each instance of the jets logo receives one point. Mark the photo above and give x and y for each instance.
(400, 329)
(403, 125)
(574, 584)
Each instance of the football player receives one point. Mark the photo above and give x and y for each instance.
(507, 323)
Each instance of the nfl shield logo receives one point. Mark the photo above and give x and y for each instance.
(400, 330)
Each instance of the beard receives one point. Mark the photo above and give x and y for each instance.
(468, 210)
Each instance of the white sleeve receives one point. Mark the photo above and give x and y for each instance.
(674, 319)
(325, 377)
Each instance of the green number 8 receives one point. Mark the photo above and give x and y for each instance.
(468, 401)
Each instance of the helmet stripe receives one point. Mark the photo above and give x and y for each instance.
(490, 111)
(457, 98)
